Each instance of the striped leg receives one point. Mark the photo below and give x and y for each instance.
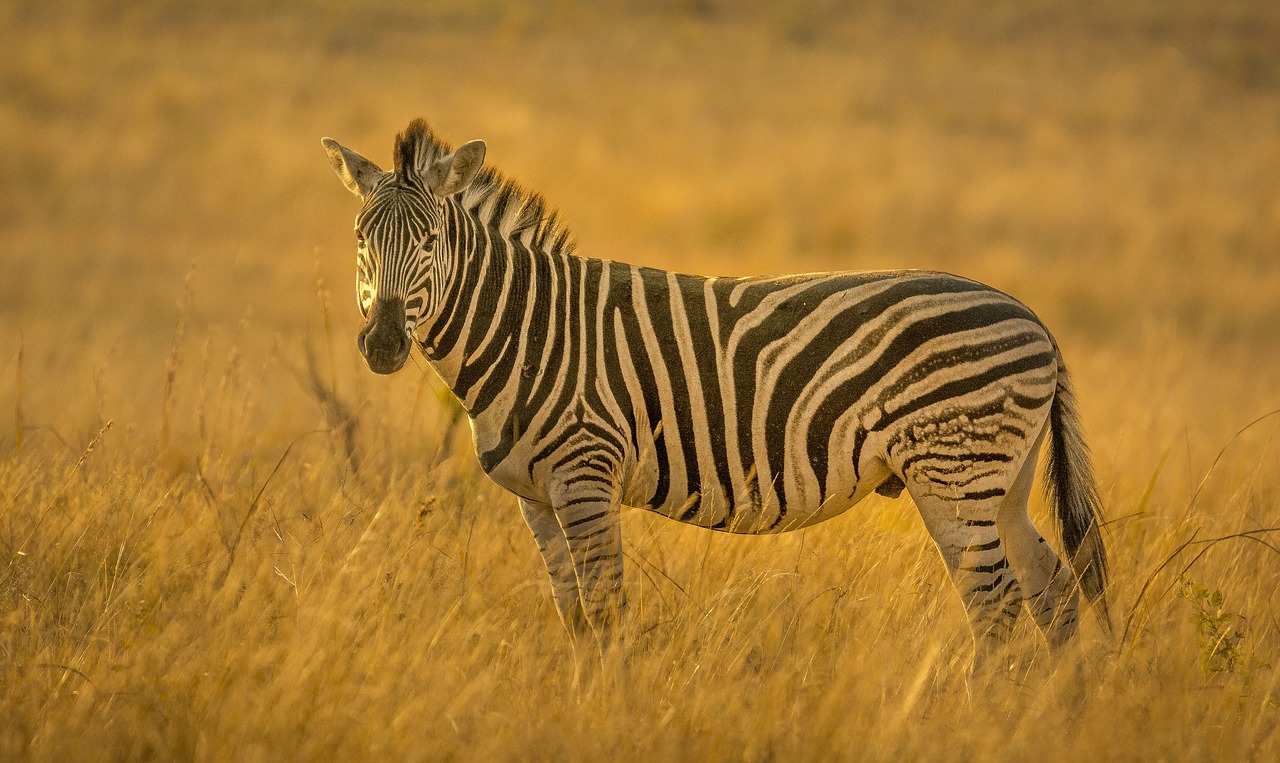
(1049, 587)
(555, 553)
(966, 535)
(1051, 594)
(592, 527)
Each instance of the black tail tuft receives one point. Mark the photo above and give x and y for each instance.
(1073, 494)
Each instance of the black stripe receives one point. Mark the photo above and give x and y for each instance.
(634, 340)
(1001, 564)
(570, 389)
(593, 271)
(580, 500)
(583, 453)
(618, 276)
(657, 295)
(599, 479)
(975, 457)
(707, 363)
(980, 495)
(583, 520)
(1000, 585)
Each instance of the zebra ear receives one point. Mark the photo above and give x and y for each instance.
(455, 172)
(357, 173)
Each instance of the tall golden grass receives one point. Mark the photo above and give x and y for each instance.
(224, 539)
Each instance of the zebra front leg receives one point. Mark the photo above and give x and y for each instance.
(592, 528)
(542, 521)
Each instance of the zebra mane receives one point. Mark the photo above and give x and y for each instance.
(498, 199)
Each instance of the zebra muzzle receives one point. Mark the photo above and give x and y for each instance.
(384, 341)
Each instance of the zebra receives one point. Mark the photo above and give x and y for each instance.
(747, 405)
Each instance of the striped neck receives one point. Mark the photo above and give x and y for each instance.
(497, 291)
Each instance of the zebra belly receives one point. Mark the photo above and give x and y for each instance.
(750, 510)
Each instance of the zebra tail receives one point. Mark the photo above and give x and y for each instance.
(1073, 494)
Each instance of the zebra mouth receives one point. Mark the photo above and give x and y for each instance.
(384, 342)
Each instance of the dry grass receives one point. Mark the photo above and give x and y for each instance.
(194, 567)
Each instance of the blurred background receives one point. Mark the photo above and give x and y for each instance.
(1117, 168)
(173, 243)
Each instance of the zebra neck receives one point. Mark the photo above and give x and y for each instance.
(504, 295)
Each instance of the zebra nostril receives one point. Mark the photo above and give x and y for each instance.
(362, 337)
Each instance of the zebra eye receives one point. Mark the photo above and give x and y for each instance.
(431, 238)
(359, 238)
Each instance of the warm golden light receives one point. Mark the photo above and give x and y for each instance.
(222, 538)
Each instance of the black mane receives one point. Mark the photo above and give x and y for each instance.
(501, 201)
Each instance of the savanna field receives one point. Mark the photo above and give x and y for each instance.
(223, 538)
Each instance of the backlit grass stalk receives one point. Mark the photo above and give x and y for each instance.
(174, 362)
(17, 397)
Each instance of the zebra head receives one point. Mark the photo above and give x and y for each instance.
(401, 256)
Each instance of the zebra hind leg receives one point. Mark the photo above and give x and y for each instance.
(1049, 587)
(1052, 597)
(966, 535)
